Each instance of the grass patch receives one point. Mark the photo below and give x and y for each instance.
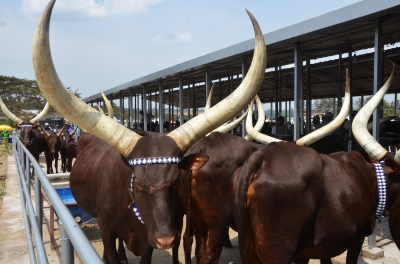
(6, 150)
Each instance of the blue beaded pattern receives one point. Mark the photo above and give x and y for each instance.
(381, 188)
(149, 161)
(154, 160)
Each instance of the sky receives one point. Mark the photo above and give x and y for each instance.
(99, 44)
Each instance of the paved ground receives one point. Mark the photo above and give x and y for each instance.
(13, 245)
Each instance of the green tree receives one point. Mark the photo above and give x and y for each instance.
(20, 96)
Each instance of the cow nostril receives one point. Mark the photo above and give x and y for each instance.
(165, 243)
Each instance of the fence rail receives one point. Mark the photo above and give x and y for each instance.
(72, 237)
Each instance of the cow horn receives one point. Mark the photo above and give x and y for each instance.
(225, 128)
(261, 118)
(10, 115)
(255, 134)
(67, 104)
(41, 115)
(100, 110)
(332, 126)
(197, 127)
(46, 133)
(110, 110)
(359, 127)
(208, 104)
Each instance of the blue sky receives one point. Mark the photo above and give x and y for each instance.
(101, 44)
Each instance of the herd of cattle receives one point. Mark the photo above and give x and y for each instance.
(286, 201)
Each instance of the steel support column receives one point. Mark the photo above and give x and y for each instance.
(144, 107)
(181, 99)
(308, 95)
(298, 72)
(162, 106)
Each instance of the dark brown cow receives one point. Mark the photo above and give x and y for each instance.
(207, 208)
(53, 143)
(291, 202)
(66, 139)
(30, 135)
(154, 186)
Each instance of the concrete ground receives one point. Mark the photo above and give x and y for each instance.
(13, 245)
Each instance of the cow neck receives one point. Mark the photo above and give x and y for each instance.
(147, 161)
(381, 190)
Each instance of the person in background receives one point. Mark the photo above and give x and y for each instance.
(281, 127)
(77, 133)
(47, 126)
(315, 122)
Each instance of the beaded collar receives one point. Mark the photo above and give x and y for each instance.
(381, 188)
(147, 161)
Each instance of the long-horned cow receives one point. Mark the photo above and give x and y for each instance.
(152, 158)
(207, 200)
(30, 135)
(291, 202)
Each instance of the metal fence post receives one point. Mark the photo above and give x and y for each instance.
(67, 250)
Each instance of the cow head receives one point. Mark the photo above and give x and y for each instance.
(154, 184)
(390, 163)
(27, 128)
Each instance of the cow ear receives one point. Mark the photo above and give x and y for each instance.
(193, 161)
(391, 166)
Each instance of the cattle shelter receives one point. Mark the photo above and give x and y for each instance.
(307, 60)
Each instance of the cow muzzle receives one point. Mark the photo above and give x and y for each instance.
(162, 243)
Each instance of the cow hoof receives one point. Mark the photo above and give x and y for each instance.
(228, 244)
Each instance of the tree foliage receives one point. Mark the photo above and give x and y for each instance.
(21, 96)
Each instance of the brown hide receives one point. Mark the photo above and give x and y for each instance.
(101, 189)
(54, 145)
(71, 153)
(291, 201)
(34, 141)
(210, 210)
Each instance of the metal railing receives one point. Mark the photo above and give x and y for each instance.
(71, 235)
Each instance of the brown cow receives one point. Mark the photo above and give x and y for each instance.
(30, 135)
(53, 143)
(154, 186)
(291, 202)
(207, 208)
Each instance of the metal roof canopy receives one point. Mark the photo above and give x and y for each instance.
(345, 30)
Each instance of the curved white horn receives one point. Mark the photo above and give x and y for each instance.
(359, 126)
(261, 118)
(196, 128)
(41, 115)
(332, 126)
(66, 103)
(100, 110)
(256, 135)
(110, 110)
(7, 113)
(208, 104)
(225, 128)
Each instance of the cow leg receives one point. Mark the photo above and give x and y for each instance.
(187, 245)
(121, 251)
(146, 257)
(110, 254)
(56, 162)
(353, 252)
(215, 242)
(201, 239)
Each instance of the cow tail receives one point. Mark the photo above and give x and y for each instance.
(242, 179)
